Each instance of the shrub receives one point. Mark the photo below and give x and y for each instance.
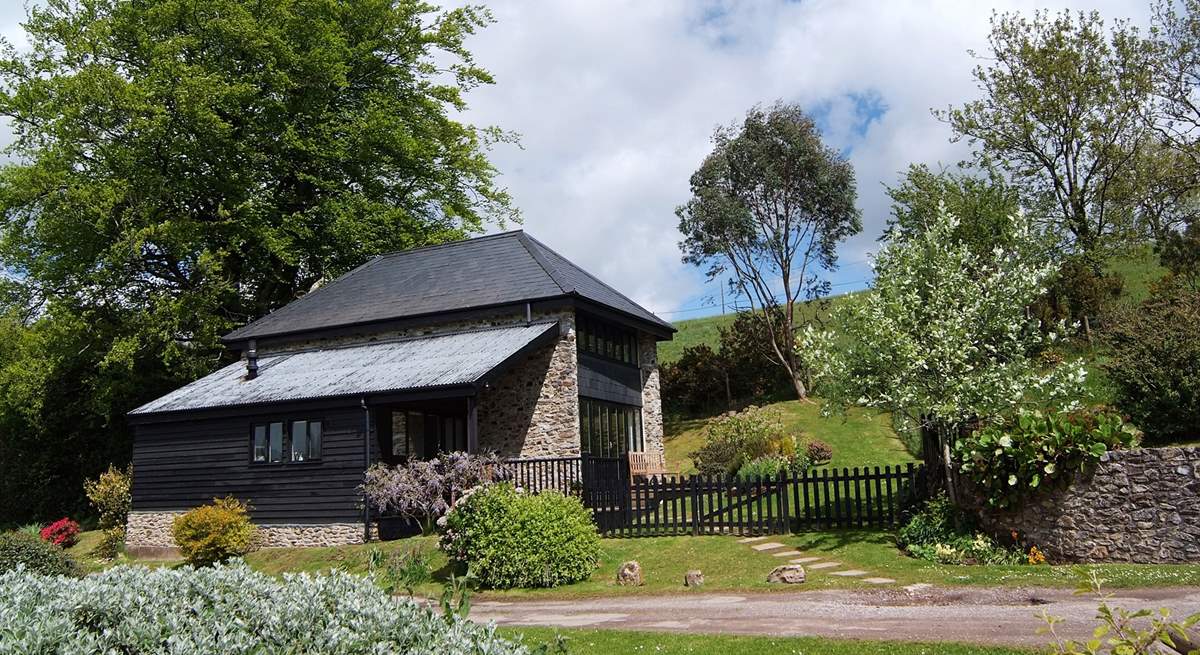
(507, 539)
(818, 452)
(767, 467)
(424, 490)
(214, 533)
(63, 533)
(1154, 363)
(37, 555)
(225, 609)
(735, 438)
(1009, 461)
(940, 532)
(110, 495)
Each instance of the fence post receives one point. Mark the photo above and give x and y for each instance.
(695, 505)
(785, 517)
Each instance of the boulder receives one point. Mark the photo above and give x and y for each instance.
(693, 578)
(630, 574)
(787, 574)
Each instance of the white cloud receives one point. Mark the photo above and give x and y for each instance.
(616, 100)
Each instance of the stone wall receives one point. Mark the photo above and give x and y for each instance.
(1139, 506)
(652, 417)
(150, 533)
(532, 409)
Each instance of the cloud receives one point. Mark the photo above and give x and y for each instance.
(616, 101)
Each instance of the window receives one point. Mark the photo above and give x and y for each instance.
(609, 429)
(606, 340)
(301, 443)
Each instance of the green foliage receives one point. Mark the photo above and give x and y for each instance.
(1010, 461)
(396, 571)
(1125, 632)
(1062, 111)
(736, 438)
(226, 609)
(110, 496)
(35, 554)
(770, 467)
(941, 532)
(214, 533)
(183, 166)
(769, 206)
(1154, 363)
(507, 539)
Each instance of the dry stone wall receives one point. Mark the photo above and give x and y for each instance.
(1140, 506)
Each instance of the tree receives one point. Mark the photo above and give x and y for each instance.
(943, 336)
(183, 166)
(1063, 112)
(768, 207)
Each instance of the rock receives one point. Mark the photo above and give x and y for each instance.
(693, 579)
(787, 574)
(630, 574)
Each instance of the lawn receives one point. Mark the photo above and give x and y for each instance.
(861, 437)
(618, 642)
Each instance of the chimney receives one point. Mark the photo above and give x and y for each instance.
(252, 360)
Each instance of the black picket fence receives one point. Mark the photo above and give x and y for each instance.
(875, 497)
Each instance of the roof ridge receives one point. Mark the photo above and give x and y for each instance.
(551, 270)
(594, 278)
(448, 244)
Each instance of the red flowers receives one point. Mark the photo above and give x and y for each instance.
(63, 532)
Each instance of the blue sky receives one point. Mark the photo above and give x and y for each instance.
(615, 102)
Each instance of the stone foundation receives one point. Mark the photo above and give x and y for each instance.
(1140, 506)
(150, 532)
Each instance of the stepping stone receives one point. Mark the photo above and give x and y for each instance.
(804, 560)
(850, 573)
(768, 546)
(750, 540)
(787, 553)
(879, 580)
(825, 565)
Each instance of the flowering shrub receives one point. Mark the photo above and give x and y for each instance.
(735, 439)
(506, 538)
(110, 495)
(225, 609)
(1009, 461)
(818, 452)
(424, 490)
(214, 533)
(32, 553)
(63, 533)
(942, 533)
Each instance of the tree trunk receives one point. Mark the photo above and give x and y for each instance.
(801, 390)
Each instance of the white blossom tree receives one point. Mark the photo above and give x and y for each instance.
(944, 336)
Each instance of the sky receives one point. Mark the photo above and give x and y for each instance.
(615, 102)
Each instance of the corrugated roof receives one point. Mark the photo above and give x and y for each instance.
(379, 367)
(499, 269)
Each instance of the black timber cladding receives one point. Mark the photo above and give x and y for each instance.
(608, 380)
(184, 464)
(496, 270)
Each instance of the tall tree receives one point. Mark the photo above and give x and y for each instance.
(183, 166)
(1062, 111)
(768, 208)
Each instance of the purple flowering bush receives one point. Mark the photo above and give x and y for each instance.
(423, 491)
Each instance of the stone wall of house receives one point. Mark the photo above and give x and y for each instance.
(150, 532)
(532, 409)
(1140, 506)
(652, 416)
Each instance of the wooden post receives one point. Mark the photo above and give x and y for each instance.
(472, 425)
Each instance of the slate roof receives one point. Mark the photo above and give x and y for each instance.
(499, 269)
(430, 362)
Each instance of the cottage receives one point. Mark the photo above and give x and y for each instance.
(494, 344)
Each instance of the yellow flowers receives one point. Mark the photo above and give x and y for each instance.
(1036, 556)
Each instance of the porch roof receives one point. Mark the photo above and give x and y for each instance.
(396, 366)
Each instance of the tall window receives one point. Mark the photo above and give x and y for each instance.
(606, 340)
(609, 429)
(278, 442)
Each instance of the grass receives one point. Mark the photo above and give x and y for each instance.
(859, 438)
(619, 642)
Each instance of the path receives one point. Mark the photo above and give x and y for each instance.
(810, 564)
(917, 613)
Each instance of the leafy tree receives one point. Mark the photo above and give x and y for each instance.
(768, 207)
(183, 166)
(943, 336)
(1062, 112)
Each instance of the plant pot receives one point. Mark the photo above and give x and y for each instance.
(392, 528)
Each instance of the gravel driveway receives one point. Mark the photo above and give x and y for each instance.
(917, 613)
